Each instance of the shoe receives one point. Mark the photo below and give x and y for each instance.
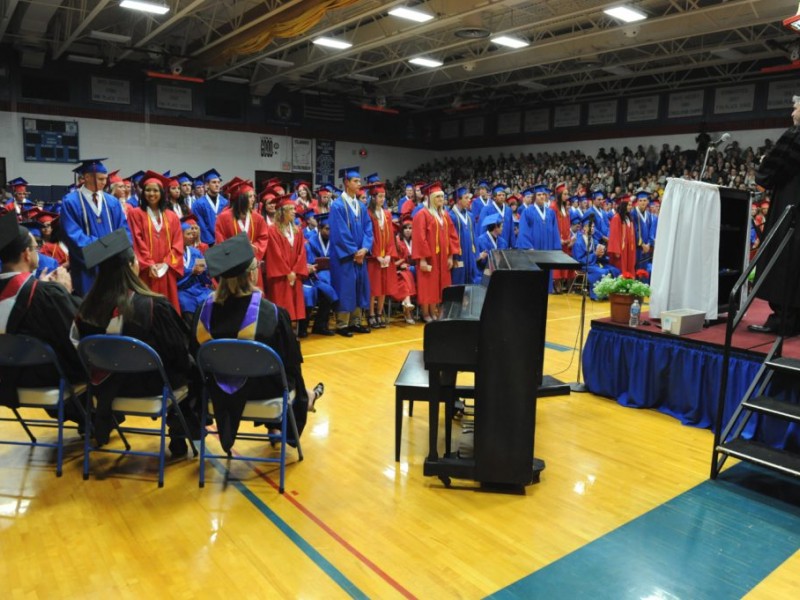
(408, 305)
(379, 323)
(762, 328)
(427, 319)
(373, 321)
(345, 331)
(410, 321)
(178, 447)
(319, 389)
(323, 332)
(359, 329)
(384, 321)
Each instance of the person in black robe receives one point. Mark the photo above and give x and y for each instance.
(226, 315)
(119, 303)
(41, 308)
(779, 174)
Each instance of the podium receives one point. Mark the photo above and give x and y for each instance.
(701, 248)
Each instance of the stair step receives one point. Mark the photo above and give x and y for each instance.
(785, 365)
(771, 406)
(763, 455)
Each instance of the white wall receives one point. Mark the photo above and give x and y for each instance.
(389, 162)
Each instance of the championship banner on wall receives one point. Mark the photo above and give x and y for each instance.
(326, 162)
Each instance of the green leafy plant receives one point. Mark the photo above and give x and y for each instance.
(624, 284)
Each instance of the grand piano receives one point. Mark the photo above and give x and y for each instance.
(496, 330)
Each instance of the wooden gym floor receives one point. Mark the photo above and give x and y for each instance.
(623, 509)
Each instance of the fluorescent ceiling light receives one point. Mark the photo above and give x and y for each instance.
(144, 6)
(276, 62)
(360, 77)
(623, 13)
(731, 53)
(425, 62)
(332, 43)
(618, 70)
(532, 85)
(410, 14)
(234, 79)
(87, 60)
(510, 42)
(109, 37)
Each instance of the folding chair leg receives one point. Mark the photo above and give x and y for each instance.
(203, 434)
(24, 425)
(293, 423)
(185, 427)
(60, 448)
(118, 427)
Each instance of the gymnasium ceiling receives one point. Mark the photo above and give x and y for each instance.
(575, 49)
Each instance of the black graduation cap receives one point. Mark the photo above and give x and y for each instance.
(106, 247)
(230, 258)
(9, 229)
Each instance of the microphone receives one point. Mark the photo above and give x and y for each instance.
(723, 138)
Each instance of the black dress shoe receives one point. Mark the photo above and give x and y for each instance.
(359, 329)
(762, 328)
(345, 331)
(323, 332)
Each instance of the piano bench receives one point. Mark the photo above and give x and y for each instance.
(412, 384)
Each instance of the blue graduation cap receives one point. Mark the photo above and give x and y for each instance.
(136, 177)
(210, 174)
(482, 184)
(198, 182)
(184, 177)
(499, 188)
(491, 221)
(598, 194)
(90, 165)
(409, 184)
(19, 182)
(582, 197)
(322, 219)
(576, 220)
(588, 217)
(372, 178)
(167, 173)
(529, 191)
(461, 191)
(34, 227)
(349, 172)
(540, 189)
(642, 194)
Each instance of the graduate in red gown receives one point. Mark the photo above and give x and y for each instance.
(435, 241)
(561, 277)
(287, 264)
(380, 261)
(622, 239)
(406, 271)
(50, 244)
(240, 217)
(157, 239)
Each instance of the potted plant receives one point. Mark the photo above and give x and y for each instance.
(621, 292)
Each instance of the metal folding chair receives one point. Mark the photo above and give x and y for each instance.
(235, 359)
(21, 351)
(118, 354)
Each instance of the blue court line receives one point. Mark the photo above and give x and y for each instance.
(715, 541)
(557, 347)
(331, 571)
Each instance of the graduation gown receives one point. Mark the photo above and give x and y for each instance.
(82, 226)
(273, 328)
(382, 280)
(644, 234)
(465, 227)
(487, 243)
(155, 322)
(44, 310)
(351, 231)
(406, 271)
(537, 233)
(320, 280)
(476, 208)
(564, 224)
(584, 252)
(622, 245)
(508, 221)
(435, 241)
(257, 232)
(193, 289)
(284, 258)
(153, 247)
(56, 250)
(206, 214)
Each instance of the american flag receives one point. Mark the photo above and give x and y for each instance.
(323, 107)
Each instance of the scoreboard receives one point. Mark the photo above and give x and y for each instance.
(45, 140)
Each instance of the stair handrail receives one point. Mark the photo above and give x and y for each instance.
(772, 239)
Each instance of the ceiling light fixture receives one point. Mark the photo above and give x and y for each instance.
(532, 85)
(276, 62)
(510, 42)
(86, 60)
(360, 77)
(106, 36)
(626, 14)
(332, 43)
(618, 70)
(155, 8)
(410, 14)
(234, 79)
(425, 62)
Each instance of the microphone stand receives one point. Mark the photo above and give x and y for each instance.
(577, 386)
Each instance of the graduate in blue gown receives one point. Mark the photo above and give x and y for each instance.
(479, 201)
(498, 206)
(490, 239)
(590, 255)
(465, 269)
(538, 228)
(318, 247)
(600, 217)
(195, 285)
(83, 221)
(351, 239)
(643, 230)
(207, 208)
(409, 196)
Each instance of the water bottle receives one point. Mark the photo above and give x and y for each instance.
(635, 310)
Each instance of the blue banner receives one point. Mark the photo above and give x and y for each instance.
(325, 162)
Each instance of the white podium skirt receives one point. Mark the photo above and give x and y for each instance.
(686, 255)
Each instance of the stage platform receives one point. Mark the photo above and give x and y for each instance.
(680, 375)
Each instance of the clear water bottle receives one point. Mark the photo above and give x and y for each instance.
(635, 311)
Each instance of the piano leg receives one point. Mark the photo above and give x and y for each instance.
(435, 391)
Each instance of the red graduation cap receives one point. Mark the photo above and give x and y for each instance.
(433, 188)
(285, 200)
(155, 177)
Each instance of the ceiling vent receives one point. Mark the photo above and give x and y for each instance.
(472, 33)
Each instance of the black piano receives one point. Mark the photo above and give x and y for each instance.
(496, 330)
